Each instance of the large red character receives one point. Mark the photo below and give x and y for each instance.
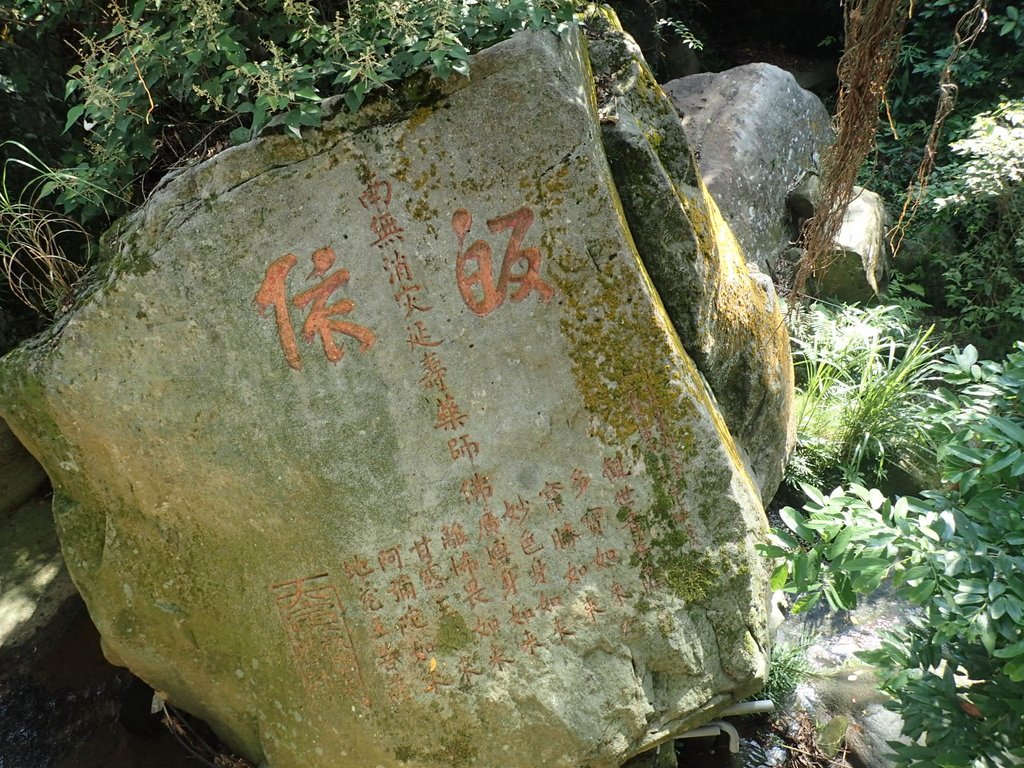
(492, 296)
(320, 321)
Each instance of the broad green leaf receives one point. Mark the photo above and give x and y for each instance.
(1010, 651)
(73, 114)
(806, 602)
(779, 576)
(1015, 670)
(796, 521)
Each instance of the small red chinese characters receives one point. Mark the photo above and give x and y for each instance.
(492, 296)
(320, 321)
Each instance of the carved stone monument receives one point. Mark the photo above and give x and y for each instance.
(379, 449)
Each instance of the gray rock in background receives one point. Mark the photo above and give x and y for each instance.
(756, 133)
(378, 448)
(860, 267)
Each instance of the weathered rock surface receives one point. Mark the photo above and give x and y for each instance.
(379, 449)
(757, 133)
(726, 314)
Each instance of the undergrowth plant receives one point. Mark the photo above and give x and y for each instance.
(42, 253)
(956, 673)
(864, 375)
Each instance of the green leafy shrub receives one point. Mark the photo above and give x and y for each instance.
(158, 82)
(956, 672)
(863, 381)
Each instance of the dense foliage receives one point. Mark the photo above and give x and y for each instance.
(956, 669)
(963, 245)
(156, 83)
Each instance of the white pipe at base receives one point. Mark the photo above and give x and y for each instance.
(748, 708)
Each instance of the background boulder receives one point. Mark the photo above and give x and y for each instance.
(757, 134)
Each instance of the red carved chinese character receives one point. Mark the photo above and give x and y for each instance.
(469, 668)
(603, 559)
(419, 336)
(407, 296)
(475, 593)
(573, 574)
(548, 604)
(477, 488)
(530, 643)
(552, 494)
(372, 197)
(433, 372)
(357, 566)
(453, 537)
(508, 583)
(640, 545)
(486, 627)
(561, 631)
(491, 296)
(624, 496)
(431, 577)
(441, 601)
(462, 447)
(489, 525)
(320, 320)
(565, 537)
(370, 600)
(466, 566)
(498, 658)
(520, 616)
(386, 228)
(498, 554)
(423, 650)
(529, 545)
(516, 511)
(449, 415)
(402, 588)
(411, 619)
(436, 680)
(614, 469)
(389, 557)
(593, 518)
(619, 593)
(377, 625)
(590, 608)
(538, 571)
(580, 482)
(422, 549)
(398, 268)
(387, 657)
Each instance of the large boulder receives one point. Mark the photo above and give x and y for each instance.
(725, 312)
(757, 135)
(378, 448)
